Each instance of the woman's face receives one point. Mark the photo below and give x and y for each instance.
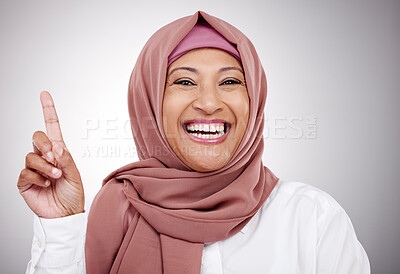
(205, 108)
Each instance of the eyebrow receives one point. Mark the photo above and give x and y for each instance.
(197, 72)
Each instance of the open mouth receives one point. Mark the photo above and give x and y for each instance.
(208, 131)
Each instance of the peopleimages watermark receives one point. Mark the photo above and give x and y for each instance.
(293, 127)
(108, 150)
(112, 137)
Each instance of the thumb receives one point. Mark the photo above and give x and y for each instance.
(66, 163)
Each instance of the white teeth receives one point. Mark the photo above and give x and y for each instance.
(206, 127)
(206, 131)
(207, 135)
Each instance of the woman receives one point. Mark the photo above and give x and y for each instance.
(199, 200)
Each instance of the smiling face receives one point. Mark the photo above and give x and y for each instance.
(205, 108)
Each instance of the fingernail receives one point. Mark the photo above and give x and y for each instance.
(55, 171)
(59, 150)
(50, 156)
(47, 183)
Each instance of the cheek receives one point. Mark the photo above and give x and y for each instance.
(168, 116)
(240, 106)
(174, 106)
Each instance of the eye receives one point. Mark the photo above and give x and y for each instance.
(232, 82)
(184, 82)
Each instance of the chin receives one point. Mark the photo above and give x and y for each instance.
(206, 164)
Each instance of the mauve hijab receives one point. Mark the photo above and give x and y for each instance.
(154, 216)
(202, 35)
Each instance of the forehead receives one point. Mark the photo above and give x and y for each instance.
(206, 56)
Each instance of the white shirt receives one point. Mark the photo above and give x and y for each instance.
(299, 229)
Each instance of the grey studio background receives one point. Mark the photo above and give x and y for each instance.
(332, 108)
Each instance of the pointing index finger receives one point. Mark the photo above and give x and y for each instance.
(51, 119)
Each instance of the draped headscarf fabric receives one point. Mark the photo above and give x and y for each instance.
(154, 215)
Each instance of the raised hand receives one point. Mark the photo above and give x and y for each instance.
(50, 183)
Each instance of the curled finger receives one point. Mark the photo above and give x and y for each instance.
(37, 163)
(27, 178)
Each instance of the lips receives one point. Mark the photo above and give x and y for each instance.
(207, 131)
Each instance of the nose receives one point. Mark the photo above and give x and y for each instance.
(208, 101)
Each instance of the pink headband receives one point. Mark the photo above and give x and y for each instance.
(202, 35)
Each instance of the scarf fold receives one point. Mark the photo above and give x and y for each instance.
(177, 209)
